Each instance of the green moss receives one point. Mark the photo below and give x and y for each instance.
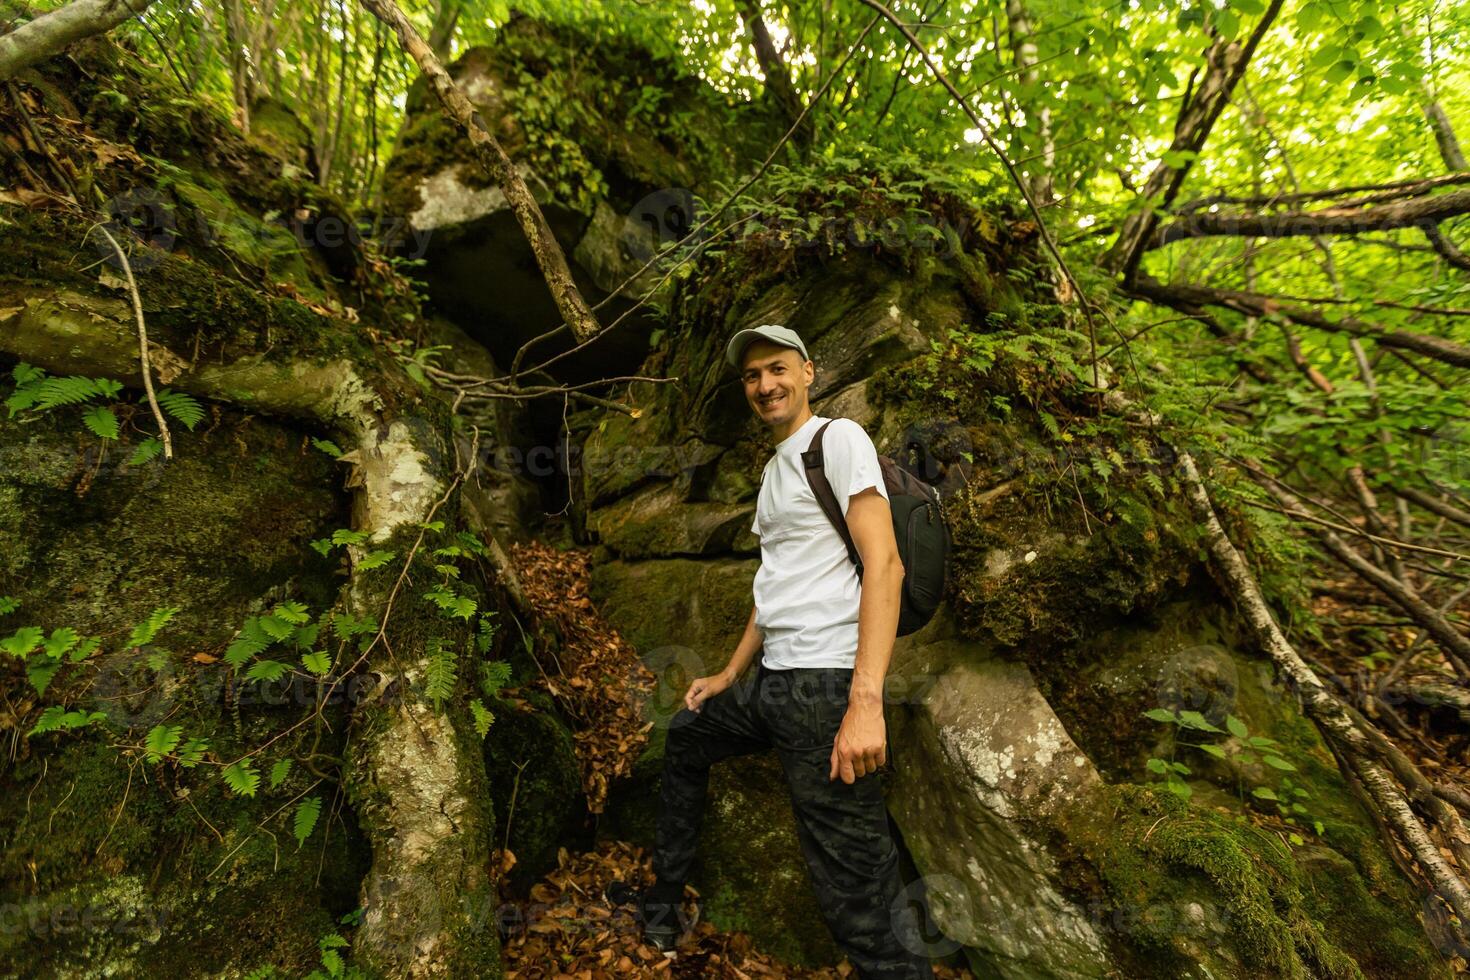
(1189, 882)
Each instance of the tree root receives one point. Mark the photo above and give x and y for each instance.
(1362, 751)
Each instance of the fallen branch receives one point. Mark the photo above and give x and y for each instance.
(145, 366)
(1340, 220)
(1349, 741)
(1256, 304)
(493, 158)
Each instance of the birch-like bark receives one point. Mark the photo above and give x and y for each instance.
(1023, 49)
(1330, 714)
(49, 34)
(492, 156)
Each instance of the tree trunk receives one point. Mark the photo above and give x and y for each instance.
(1023, 48)
(50, 33)
(237, 34)
(498, 165)
(778, 80)
(415, 772)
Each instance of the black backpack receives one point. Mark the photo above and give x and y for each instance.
(918, 524)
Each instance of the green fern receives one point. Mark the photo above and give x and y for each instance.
(102, 423)
(56, 719)
(8, 605)
(494, 675)
(192, 753)
(483, 717)
(304, 822)
(146, 450)
(241, 778)
(441, 673)
(374, 559)
(52, 392)
(145, 631)
(318, 662)
(250, 641)
(161, 741)
(266, 670)
(183, 407)
(279, 772)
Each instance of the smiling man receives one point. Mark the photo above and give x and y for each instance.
(816, 697)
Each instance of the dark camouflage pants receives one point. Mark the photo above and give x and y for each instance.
(850, 854)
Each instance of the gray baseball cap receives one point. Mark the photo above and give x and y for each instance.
(774, 332)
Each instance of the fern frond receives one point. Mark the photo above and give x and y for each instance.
(145, 631)
(183, 407)
(441, 673)
(250, 641)
(304, 822)
(161, 741)
(102, 423)
(241, 778)
(280, 771)
(483, 717)
(147, 449)
(73, 390)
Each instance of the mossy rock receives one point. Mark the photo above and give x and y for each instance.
(174, 874)
(531, 763)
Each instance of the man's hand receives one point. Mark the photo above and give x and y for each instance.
(705, 687)
(861, 743)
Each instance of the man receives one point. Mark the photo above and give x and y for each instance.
(817, 695)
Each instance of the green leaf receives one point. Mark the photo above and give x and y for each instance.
(344, 536)
(1213, 750)
(49, 721)
(193, 752)
(146, 450)
(251, 640)
(62, 639)
(161, 741)
(145, 631)
(292, 612)
(279, 771)
(183, 407)
(85, 649)
(276, 628)
(40, 672)
(464, 607)
(1197, 721)
(74, 390)
(241, 778)
(1236, 726)
(1260, 742)
(1157, 765)
(266, 670)
(307, 812)
(493, 676)
(8, 605)
(483, 717)
(1264, 793)
(374, 559)
(1276, 762)
(1295, 839)
(102, 422)
(318, 662)
(441, 673)
(327, 446)
(22, 641)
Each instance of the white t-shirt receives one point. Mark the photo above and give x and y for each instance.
(807, 590)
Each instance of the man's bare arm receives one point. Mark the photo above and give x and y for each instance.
(861, 744)
(707, 687)
(745, 650)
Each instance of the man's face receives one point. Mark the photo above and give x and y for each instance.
(776, 381)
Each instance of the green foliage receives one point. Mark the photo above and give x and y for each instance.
(1241, 749)
(36, 392)
(304, 821)
(441, 673)
(161, 741)
(240, 776)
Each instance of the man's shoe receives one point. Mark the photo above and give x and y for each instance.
(663, 922)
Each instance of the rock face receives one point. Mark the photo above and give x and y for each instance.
(1022, 788)
(612, 144)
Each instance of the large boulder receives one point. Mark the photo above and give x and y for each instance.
(1023, 788)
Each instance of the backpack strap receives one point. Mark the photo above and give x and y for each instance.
(816, 476)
